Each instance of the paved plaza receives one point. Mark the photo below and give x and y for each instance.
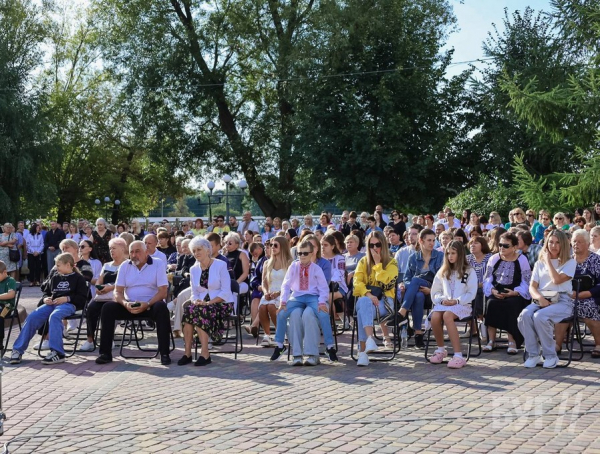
(252, 405)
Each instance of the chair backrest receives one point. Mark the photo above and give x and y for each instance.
(235, 289)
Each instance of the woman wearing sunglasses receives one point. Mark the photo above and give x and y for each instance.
(506, 287)
(375, 273)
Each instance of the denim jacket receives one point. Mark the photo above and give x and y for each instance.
(416, 262)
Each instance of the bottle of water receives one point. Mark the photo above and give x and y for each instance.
(403, 338)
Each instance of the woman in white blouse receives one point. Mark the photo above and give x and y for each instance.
(211, 303)
(453, 291)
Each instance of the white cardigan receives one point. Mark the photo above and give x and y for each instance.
(465, 290)
(219, 282)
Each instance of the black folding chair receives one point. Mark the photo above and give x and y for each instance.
(12, 316)
(580, 281)
(467, 320)
(379, 355)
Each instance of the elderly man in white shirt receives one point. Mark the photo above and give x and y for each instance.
(305, 293)
(140, 292)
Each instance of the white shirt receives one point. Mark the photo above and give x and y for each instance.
(456, 224)
(541, 275)
(142, 285)
(250, 225)
(461, 288)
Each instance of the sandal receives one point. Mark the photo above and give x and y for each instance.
(490, 347)
(596, 353)
(512, 348)
(387, 343)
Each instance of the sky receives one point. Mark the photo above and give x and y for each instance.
(475, 19)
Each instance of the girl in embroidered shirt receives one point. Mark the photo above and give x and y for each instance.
(453, 291)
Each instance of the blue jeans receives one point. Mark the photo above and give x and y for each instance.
(414, 300)
(55, 315)
(365, 314)
(302, 302)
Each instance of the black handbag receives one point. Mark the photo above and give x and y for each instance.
(13, 255)
(377, 292)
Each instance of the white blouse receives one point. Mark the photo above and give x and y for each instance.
(219, 282)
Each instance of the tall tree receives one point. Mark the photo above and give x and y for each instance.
(22, 147)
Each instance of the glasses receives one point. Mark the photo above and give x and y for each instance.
(530, 216)
(83, 246)
(504, 245)
(559, 219)
(303, 254)
(374, 245)
(230, 243)
(274, 246)
(545, 219)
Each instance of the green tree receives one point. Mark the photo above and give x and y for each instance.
(527, 49)
(23, 189)
(565, 112)
(377, 133)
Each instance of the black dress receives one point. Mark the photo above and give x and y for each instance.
(101, 245)
(503, 313)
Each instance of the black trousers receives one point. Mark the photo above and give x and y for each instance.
(94, 310)
(112, 312)
(35, 267)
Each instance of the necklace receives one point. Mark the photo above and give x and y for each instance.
(203, 267)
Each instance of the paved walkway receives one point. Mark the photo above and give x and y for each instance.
(252, 405)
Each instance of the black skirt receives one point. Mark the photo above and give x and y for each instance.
(503, 314)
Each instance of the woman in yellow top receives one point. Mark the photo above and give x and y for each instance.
(199, 228)
(377, 269)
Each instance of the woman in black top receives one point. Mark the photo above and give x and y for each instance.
(101, 236)
(238, 261)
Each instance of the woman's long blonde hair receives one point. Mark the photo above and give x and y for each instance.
(461, 266)
(565, 247)
(285, 258)
(385, 251)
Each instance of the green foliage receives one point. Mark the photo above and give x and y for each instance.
(566, 112)
(489, 194)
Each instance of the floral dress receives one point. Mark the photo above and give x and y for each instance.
(101, 245)
(211, 318)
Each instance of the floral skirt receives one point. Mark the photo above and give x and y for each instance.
(210, 319)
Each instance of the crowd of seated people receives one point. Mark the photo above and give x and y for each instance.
(515, 276)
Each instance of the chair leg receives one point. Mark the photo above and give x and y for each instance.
(427, 338)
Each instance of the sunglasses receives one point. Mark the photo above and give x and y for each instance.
(374, 245)
(274, 246)
(303, 254)
(559, 219)
(530, 216)
(230, 243)
(505, 245)
(83, 246)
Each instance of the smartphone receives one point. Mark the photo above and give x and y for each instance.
(136, 304)
(99, 287)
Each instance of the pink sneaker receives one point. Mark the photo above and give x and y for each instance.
(456, 362)
(438, 357)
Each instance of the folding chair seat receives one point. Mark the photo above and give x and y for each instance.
(135, 330)
(379, 355)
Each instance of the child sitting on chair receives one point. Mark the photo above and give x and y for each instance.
(66, 294)
(453, 290)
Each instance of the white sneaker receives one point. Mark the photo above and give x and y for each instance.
(370, 346)
(72, 325)
(45, 345)
(533, 361)
(551, 362)
(87, 347)
(297, 361)
(363, 359)
(266, 341)
(311, 361)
